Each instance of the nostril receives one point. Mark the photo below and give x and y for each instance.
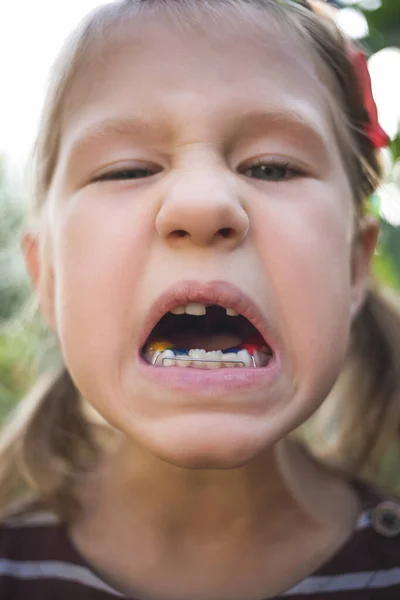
(226, 232)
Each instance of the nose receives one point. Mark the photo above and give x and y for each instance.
(202, 211)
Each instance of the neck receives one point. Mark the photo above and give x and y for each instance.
(137, 487)
(165, 533)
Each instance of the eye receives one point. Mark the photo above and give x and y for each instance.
(271, 171)
(128, 173)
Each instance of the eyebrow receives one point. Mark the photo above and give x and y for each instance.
(106, 128)
(255, 123)
(291, 123)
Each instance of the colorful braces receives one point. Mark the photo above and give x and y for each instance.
(251, 353)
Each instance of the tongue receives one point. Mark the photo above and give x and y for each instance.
(192, 340)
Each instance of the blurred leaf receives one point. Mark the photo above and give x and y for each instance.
(385, 271)
(395, 147)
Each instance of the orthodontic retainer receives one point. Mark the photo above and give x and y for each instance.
(252, 346)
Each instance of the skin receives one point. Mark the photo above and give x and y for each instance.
(212, 493)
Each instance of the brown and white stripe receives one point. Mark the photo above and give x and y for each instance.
(39, 562)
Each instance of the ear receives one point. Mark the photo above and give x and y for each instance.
(366, 240)
(41, 276)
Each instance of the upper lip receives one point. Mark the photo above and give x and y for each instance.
(215, 292)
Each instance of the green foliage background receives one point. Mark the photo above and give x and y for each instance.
(15, 374)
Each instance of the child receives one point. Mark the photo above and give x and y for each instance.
(201, 250)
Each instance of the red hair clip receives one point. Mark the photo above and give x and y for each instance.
(373, 130)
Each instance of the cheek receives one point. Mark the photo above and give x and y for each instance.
(99, 251)
(306, 252)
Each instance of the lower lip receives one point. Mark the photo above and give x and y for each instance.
(202, 381)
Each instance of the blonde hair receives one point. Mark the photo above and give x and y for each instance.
(49, 442)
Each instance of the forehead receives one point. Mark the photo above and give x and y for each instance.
(156, 69)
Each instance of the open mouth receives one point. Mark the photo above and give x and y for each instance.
(205, 336)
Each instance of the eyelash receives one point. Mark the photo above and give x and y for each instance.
(275, 167)
(127, 173)
(278, 170)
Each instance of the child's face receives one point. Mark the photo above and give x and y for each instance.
(198, 114)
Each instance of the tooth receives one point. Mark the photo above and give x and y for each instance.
(231, 312)
(182, 358)
(155, 357)
(197, 354)
(214, 357)
(167, 358)
(178, 310)
(183, 362)
(244, 357)
(198, 357)
(195, 309)
(230, 359)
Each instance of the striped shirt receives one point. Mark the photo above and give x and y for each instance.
(38, 561)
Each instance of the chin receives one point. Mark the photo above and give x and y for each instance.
(207, 442)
